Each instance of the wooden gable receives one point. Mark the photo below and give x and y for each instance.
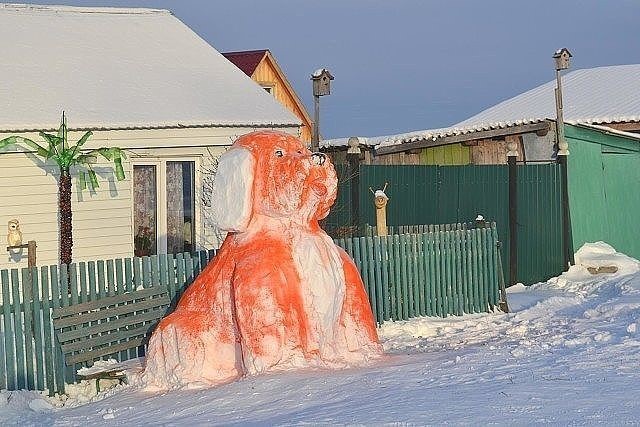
(270, 76)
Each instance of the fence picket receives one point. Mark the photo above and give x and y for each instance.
(38, 347)
(56, 302)
(377, 264)
(384, 280)
(18, 328)
(8, 333)
(84, 288)
(47, 331)
(405, 279)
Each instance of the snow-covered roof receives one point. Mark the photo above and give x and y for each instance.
(420, 135)
(593, 95)
(120, 68)
(596, 95)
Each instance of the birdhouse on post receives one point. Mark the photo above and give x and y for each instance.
(321, 82)
(562, 58)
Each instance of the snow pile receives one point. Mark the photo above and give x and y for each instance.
(567, 354)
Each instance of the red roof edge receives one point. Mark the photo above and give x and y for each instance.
(246, 60)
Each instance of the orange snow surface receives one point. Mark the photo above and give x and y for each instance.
(280, 294)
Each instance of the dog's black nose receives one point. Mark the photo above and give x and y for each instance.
(318, 158)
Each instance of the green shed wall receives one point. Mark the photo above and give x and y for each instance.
(450, 155)
(604, 188)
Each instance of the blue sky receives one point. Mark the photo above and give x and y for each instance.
(407, 64)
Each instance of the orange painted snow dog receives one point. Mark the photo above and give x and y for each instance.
(279, 295)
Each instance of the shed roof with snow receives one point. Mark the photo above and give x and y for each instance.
(115, 68)
(599, 95)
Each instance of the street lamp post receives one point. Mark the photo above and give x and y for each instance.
(561, 58)
(321, 79)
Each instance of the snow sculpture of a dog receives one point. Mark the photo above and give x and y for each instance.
(279, 294)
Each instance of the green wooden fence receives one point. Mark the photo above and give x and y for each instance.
(30, 356)
(447, 270)
(443, 271)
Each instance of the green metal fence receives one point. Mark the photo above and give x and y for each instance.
(443, 271)
(451, 194)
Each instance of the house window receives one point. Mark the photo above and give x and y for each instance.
(269, 89)
(164, 207)
(180, 207)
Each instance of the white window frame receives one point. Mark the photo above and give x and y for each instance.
(161, 203)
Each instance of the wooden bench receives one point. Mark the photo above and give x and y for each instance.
(106, 326)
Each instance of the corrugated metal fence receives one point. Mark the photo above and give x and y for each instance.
(448, 270)
(451, 194)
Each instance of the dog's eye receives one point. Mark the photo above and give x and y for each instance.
(279, 153)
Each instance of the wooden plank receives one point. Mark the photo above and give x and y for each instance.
(429, 277)
(377, 259)
(111, 282)
(18, 328)
(404, 284)
(87, 331)
(94, 354)
(47, 330)
(438, 257)
(58, 357)
(371, 261)
(120, 280)
(463, 271)
(121, 335)
(137, 273)
(73, 283)
(146, 272)
(91, 273)
(180, 279)
(421, 284)
(458, 272)
(384, 279)
(362, 244)
(128, 274)
(110, 312)
(27, 295)
(84, 284)
(398, 276)
(37, 327)
(188, 268)
(9, 333)
(79, 310)
(171, 278)
(155, 270)
(415, 248)
(475, 272)
(410, 277)
(102, 279)
(391, 276)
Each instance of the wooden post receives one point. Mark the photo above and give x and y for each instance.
(31, 253)
(380, 201)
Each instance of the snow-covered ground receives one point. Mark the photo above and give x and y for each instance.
(569, 353)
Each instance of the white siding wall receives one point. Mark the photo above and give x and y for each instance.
(102, 219)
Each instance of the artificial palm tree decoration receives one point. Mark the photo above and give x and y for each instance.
(66, 156)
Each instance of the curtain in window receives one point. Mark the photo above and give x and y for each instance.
(180, 207)
(144, 210)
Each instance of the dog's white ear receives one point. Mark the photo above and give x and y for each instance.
(233, 188)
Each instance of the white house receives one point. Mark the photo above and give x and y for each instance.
(141, 80)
